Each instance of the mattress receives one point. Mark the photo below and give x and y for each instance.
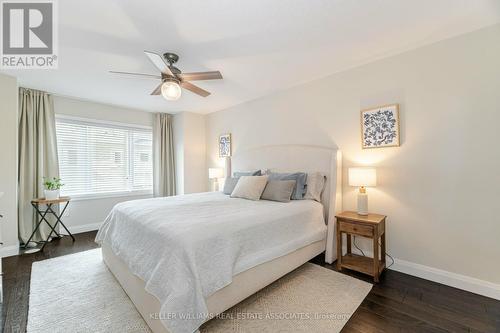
(186, 248)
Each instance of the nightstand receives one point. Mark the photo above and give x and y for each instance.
(369, 226)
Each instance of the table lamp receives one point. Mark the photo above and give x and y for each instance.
(362, 177)
(215, 174)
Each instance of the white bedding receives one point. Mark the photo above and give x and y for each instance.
(187, 247)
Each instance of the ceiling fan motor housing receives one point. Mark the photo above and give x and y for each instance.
(174, 69)
(166, 77)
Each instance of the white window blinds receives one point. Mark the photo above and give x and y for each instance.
(100, 158)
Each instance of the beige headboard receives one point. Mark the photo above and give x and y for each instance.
(304, 158)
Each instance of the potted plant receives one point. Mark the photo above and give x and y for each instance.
(52, 188)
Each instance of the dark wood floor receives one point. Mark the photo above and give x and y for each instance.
(399, 303)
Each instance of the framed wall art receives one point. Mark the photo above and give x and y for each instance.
(225, 145)
(380, 127)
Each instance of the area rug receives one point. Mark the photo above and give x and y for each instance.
(77, 293)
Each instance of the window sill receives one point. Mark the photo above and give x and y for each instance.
(82, 197)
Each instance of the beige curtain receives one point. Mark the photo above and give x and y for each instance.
(163, 156)
(37, 157)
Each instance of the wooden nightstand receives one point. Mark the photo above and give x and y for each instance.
(370, 226)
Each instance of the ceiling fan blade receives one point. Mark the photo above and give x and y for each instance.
(147, 76)
(198, 76)
(195, 89)
(159, 62)
(157, 91)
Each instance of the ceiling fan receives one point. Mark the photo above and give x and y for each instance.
(172, 79)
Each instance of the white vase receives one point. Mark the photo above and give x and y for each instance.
(51, 194)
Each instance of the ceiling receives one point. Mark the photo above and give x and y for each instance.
(260, 46)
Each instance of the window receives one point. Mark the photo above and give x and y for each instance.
(103, 159)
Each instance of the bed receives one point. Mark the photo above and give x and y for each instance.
(184, 259)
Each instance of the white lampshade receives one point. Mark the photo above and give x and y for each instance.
(362, 177)
(214, 173)
(171, 90)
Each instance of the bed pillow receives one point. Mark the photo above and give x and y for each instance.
(315, 185)
(249, 187)
(229, 185)
(278, 190)
(230, 182)
(238, 174)
(300, 182)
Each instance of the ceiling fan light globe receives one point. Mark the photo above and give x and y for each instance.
(171, 91)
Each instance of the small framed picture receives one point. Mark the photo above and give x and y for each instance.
(225, 145)
(380, 127)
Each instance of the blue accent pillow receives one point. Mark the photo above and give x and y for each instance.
(300, 182)
(238, 174)
(229, 185)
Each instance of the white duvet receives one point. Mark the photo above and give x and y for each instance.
(187, 247)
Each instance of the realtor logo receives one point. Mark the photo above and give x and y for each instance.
(29, 35)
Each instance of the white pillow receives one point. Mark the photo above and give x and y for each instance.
(249, 187)
(315, 185)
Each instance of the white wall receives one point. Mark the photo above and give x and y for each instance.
(87, 214)
(190, 152)
(440, 189)
(88, 109)
(195, 171)
(8, 164)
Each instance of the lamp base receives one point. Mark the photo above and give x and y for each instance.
(362, 204)
(215, 185)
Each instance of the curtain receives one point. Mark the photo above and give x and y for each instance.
(163, 156)
(37, 157)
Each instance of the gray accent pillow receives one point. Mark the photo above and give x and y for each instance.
(238, 174)
(315, 186)
(300, 178)
(278, 190)
(229, 185)
(250, 187)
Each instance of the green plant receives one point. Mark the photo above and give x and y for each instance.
(52, 184)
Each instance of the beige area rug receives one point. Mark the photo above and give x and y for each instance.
(77, 293)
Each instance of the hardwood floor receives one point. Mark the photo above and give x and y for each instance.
(399, 303)
(404, 303)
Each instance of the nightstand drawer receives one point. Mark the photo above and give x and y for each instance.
(357, 229)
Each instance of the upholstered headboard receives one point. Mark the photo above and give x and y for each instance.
(304, 158)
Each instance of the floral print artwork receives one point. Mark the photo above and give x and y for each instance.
(225, 145)
(380, 127)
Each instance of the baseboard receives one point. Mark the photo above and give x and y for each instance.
(467, 283)
(77, 229)
(7, 251)
(474, 285)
